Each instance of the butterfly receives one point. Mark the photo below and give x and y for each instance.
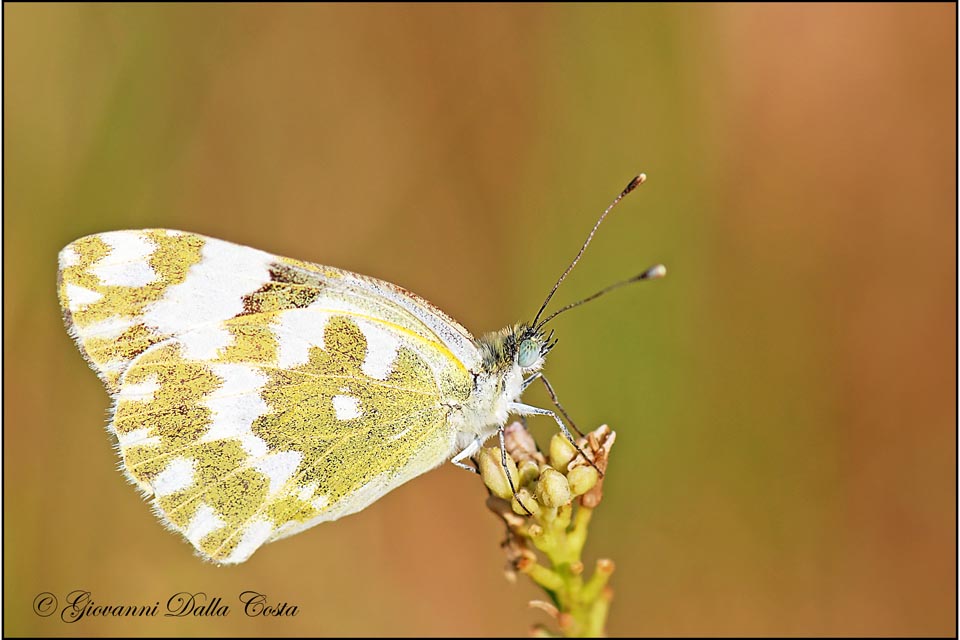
(255, 396)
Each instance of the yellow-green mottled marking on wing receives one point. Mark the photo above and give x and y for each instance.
(106, 329)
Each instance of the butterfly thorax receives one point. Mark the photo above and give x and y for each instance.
(508, 356)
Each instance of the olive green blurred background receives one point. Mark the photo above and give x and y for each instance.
(784, 399)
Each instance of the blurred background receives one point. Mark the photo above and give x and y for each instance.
(784, 400)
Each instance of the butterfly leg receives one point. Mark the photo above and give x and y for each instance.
(553, 396)
(506, 470)
(529, 381)
(468, 452)
(473, 447)
(526, 409)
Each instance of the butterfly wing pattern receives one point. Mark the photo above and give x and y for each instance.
(256, 396)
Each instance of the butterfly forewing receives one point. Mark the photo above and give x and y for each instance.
(256, 395)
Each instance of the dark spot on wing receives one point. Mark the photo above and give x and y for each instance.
(289, 288)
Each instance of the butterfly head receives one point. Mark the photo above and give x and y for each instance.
(519, 345)
(513, 353)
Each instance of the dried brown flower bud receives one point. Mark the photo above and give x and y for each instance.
(520, 444)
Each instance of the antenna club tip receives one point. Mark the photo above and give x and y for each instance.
(636, 182)
(656, 271)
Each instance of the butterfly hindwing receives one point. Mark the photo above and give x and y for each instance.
(255, 395)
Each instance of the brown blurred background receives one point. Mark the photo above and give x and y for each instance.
(784, 400)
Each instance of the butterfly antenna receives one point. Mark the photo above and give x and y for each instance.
(636, 182)
(656, 271)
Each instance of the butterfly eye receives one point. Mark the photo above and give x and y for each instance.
(528, 354)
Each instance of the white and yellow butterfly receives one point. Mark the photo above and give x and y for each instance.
(256, 396)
